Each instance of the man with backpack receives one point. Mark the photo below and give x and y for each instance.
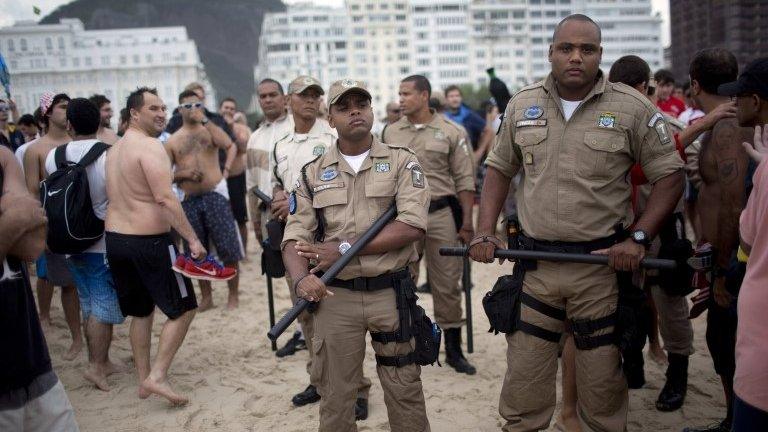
(79, 167)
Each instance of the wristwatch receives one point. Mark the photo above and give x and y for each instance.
(641, 237)
(344, 247)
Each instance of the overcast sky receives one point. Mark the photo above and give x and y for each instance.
(14, 10)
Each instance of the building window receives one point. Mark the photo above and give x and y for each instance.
(402, 56)
(123, 59)
(183, 56)
(61, 43)
(10, 45)
(88, 61)
(360, 44)
(63, 61)
(420, 22)
(423, 62)
(76, 61)
(105, 60)
(48, 43)
(23, 44)
(148, 58)
(136, 59)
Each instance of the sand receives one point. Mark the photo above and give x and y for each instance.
(236, 383)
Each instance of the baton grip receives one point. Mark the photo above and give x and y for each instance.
(649, 263)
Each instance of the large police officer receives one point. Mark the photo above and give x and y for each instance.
(576, 136)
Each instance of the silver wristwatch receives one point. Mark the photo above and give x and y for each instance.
(344, 247)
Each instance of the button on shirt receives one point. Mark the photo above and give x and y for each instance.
(296, 150)
(350, 202)
(576, 185)
(441, 146)
(259, 150)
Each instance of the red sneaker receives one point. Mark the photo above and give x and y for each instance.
(207, 269)
(180, 263)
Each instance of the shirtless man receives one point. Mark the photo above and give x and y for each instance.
(142, 209)
(723, 165)
(236, 178)
(194, 149)
(51, 268)
(105, 133)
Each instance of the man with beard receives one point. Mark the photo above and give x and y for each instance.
(105, 133)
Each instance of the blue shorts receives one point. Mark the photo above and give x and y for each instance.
(95, 287)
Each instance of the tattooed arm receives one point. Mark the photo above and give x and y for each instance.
(732, 161)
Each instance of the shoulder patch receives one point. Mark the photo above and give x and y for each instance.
(417, 175)
(655, 118)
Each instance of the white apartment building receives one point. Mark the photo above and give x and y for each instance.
(449, 41)
(67, 58)
(304, 40)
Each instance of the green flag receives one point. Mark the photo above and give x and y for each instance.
(36, 10)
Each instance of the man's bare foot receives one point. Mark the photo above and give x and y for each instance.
(143, 393)
(73, 350)
(657, 354)
(98, 378)
(115, 367)
(233, 304)
(162, 389)
(205, 305)
(568, 424)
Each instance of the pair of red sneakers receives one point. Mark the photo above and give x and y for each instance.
(206, 269)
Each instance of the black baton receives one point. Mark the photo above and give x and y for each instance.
(466, 281)
(335, 269)
(560, 257)
(270, 295)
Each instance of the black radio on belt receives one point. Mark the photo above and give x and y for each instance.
(513, 232)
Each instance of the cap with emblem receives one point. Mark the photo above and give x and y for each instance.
(754, 80)
(342, 87)
(302, 83)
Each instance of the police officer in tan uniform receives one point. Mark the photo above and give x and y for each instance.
(311, 137)
(575, 136)
(442, 148)
(337, 198)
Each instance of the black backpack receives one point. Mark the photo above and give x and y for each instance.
(73, 227)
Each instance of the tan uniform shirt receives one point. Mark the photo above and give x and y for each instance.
(441, 147)
(296, 150)
(352, 202)
(259, 150)
(576, 185)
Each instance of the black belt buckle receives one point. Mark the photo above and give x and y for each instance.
(359, 284)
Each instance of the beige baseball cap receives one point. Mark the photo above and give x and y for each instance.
(344, 86)
(302, 83)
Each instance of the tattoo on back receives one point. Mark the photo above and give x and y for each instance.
(728, 170)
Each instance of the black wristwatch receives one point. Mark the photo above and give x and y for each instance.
(641, 237)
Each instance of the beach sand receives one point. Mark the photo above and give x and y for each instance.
(236, 383)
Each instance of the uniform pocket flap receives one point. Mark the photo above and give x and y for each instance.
(605, 141)
(329, 197)
(529, 137)
(440, 146)
(381, 188)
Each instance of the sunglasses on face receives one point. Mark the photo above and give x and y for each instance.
(189, 106)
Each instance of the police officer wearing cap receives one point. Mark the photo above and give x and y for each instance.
(575, 136)
(310, 138)
(337, 197)
(442, 148)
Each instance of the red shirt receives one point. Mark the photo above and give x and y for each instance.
(672, 106)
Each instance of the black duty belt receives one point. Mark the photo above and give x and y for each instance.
(438, 204)
(529, 243)
(375, 283)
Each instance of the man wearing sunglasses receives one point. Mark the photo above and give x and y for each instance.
(194, 149)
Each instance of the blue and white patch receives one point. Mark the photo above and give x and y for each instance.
(292, 203)
(318, 150)
(606, 120)
(533, 112)
(329, 174)
(382, 167)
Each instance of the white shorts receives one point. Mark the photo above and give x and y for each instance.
(49, 412)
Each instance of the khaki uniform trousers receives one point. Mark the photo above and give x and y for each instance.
(307, 323)
(443, 272)
(527, 400)
(341, 324)
(675, 327)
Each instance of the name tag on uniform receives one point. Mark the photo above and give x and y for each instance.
(523, 123)
(325, 186)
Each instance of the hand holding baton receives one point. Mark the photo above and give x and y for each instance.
(655, 263)
(335, 269)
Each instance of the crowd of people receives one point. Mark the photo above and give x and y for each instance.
(630, 164)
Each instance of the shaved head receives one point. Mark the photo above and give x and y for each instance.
(579, 18)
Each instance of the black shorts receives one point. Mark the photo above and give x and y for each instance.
(237, 191)
(722, 323)
(141, 267)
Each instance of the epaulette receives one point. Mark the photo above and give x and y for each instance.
(459, 128)
(533, 86)
(398, 146)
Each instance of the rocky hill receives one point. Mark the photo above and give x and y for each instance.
(226, 31)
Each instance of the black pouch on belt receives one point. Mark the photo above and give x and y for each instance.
(272, 260)
(675, 246)
(456, 211)
(502, 303)
(275, 231)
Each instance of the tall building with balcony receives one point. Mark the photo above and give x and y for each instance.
(67, 58)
